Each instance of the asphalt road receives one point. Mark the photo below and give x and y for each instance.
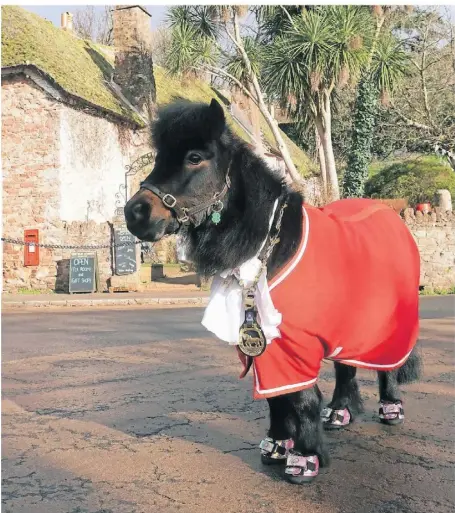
(141, 411)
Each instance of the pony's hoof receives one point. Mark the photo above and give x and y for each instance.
(301, 469)
(275, 451)
(391, 414)
(335, 419)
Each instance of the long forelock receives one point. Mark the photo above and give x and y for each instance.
(179, 123)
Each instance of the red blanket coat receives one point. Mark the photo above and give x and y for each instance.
(349, 294)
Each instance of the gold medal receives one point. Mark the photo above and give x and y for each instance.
(252, 340)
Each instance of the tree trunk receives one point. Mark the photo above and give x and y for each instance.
(255, 122)
(379, 22)
(273, 125)
(321, 158)
(324, 126)
(282, 148)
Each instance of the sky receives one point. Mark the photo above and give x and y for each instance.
(53, 12)
(158, 12)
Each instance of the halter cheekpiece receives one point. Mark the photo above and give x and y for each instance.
(185, 215)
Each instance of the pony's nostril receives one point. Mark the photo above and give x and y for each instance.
(139, 211)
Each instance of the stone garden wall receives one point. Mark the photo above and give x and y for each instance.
(435, 237)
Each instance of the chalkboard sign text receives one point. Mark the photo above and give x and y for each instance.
(82, 276)
(125, 255)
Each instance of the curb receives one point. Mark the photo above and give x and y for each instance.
(195, 301)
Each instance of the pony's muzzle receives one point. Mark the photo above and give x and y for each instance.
(146, 219)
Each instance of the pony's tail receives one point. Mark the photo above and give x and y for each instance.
(411, 370)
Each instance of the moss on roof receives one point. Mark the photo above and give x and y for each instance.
(76, 65)
(82, 68)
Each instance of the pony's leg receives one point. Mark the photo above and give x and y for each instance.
(391, 407)
(276, 446)
(346, 401)
(309, 448)
(296, 417)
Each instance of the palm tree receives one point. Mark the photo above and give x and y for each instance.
(193, 31)
(199, 36)
(317, 52)
(386, 65)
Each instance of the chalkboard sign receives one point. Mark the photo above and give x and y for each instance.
(125, 256)
(83, 271)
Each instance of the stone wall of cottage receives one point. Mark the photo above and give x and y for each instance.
(435, 237)
(61, 171)
(31, 194)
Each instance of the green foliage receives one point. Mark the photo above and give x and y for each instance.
(321, 49)
(35, 292)
(236, 67)
(196, 44)
(437, 291)
(273, 20)
(362, 137)
(416, 179)
(189, 48)
(202, 18)
(390, 63)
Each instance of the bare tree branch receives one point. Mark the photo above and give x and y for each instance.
(409, 121)
(273, 125)
(213, 70)
(423, 80)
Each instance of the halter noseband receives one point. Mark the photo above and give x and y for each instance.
(185, 215)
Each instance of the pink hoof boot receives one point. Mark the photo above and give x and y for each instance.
(335, 419)
(275, 451)
(301, 469)
(391, 413)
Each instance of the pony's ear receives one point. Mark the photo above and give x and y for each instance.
(217, 119)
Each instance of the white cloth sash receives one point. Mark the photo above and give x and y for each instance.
(225, 312)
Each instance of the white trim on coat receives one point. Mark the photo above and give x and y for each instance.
(374, 365)
(299, 256)
(280, 389)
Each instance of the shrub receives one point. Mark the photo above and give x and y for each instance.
(416, 179)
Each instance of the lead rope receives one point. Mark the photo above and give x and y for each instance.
(252, 341)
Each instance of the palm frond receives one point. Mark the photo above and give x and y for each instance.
(390, 64)
(189, 49)
(235, 65)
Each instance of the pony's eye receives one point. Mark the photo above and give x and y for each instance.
(194, 158)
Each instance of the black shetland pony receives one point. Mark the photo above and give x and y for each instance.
(203, 169)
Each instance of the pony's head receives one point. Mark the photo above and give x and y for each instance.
(191, 168)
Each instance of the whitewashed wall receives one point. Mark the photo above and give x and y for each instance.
(93, 156)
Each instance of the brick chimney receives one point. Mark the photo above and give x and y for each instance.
(66, 21)
(133, 56)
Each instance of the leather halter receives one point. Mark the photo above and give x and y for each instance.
(185, 215)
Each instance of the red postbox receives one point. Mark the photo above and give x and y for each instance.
(31, 251)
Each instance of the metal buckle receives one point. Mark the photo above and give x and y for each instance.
(165, 201)
(183, 219)
(218, 206)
